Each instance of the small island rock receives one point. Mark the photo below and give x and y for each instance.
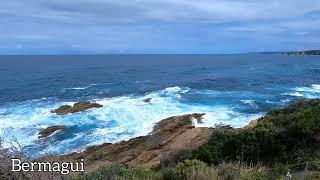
(77, 107)
(148, 100)
(50, 130)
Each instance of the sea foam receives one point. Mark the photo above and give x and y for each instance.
(312, 91)
(120, 118)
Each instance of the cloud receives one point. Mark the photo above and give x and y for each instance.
(161, 10)
(148, 25)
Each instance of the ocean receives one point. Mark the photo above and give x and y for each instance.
(230, 89)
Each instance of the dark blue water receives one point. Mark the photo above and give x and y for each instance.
(230, 89)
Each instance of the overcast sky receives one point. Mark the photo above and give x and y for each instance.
(157, 26)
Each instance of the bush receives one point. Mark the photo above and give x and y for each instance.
(301, 117)
(184, 169)
(287, 136)
(119, 172)
(259, 144)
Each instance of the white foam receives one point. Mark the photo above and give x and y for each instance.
(248, 101)
(129, 115)
(297, 94)
(285, 100)
(63, 147)
(312, 91)
(78, 88)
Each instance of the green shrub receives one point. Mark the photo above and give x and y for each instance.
(302, 117)
(259, 144)
(287, 135)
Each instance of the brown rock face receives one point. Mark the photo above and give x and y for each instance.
(50, 130)
(168, 139)
(77, 107)
(252, 124)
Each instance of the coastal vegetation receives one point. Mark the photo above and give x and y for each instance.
(289, 135)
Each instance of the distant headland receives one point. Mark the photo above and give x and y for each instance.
(304, 53)
(297, 53)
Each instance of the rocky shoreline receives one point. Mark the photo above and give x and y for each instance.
(169, 138)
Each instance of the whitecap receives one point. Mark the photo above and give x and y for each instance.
(297, 94)
(81, 88)
(248, 101)
(311, 92)
(78, 88)
(120, 118)
(285, 100)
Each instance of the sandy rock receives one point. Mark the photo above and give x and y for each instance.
(252, 124)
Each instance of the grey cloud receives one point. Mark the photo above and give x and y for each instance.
(99, 25)
(162, 10)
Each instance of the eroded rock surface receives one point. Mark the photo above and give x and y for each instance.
(168, 138)
(50, 130)
(77, 107)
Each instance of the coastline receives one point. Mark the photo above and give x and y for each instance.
(169, 138)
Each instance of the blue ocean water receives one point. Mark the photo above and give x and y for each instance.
(230, 89)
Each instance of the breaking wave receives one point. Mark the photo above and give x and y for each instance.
(120, 118)
(310, 92)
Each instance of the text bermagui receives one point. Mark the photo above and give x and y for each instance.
(62, 167)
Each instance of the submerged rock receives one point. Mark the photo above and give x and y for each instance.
(77, 107)
(50, 130)
(148, 100)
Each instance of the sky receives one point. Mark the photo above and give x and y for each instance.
(158, 26)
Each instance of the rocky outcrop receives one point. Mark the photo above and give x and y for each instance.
(148, 100)
(168, 139)
(50, 130)
(77, 107)
(252, 124)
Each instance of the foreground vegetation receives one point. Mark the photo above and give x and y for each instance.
(189, 169)
(285, 140)
(196, 170)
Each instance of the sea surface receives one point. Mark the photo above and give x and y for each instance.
(230, 89)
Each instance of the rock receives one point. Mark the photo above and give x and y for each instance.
(148, 100)
(77, 107)
(168, 139)
(252, 124)
(50, 130)
(222, 126)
